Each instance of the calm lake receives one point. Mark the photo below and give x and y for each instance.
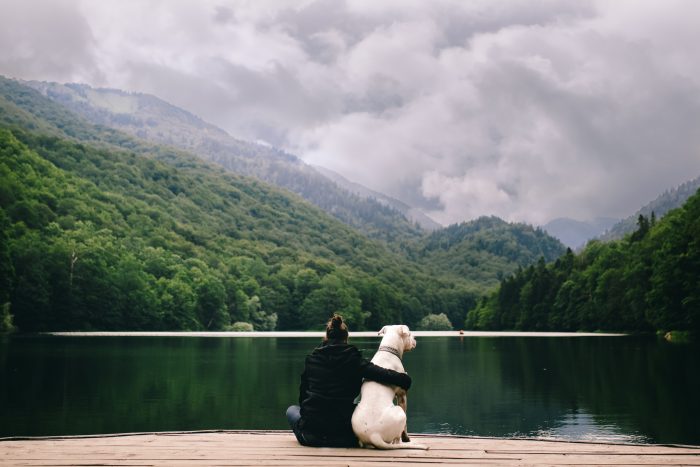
(629, 389)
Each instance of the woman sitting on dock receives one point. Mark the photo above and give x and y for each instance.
(331, 381)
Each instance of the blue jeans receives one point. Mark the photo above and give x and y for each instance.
(293, 415)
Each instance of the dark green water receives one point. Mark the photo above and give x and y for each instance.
(603, 388)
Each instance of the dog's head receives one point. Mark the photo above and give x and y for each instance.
(403, 333)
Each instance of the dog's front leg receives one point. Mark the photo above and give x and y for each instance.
(402, 401)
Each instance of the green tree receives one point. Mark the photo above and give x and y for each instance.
(261, 320)
(211, 304)
(433, 322)
(241, 326)
(7, 274)
(332, 296)
(178, 302)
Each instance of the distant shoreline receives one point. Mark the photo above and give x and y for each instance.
(319, 334)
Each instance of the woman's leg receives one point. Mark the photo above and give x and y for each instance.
(293, 417)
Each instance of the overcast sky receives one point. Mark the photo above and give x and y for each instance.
(529, 110)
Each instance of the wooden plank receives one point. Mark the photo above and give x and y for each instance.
(562, 459)
(281, 448)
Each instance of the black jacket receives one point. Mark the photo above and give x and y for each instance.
(331, 381)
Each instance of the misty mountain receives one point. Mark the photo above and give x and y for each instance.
(574, 233)
(413, 214)
(670, 199)
(150, 118)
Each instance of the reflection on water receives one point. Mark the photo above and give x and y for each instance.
(584, 388)
(583, 426)
(577, 388)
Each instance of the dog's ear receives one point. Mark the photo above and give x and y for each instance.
(382, 331)
(403, 330)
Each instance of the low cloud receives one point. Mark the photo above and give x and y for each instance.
(47, 38)
(528, 111)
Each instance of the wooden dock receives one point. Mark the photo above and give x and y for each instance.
(240, 448)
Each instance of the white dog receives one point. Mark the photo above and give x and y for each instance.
(377, 421)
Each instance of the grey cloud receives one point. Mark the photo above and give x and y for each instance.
(47, 40)
(223, 14)
(381, 93)
(251, 104)
(274, 101)
(457, 20)
(526, 110)
(318, 17)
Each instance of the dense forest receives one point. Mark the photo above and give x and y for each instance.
(648, 281)
(485, 250)
(99, 239)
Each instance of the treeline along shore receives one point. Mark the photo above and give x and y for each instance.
(648, 281)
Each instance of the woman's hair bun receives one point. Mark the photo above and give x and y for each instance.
(336, 321)
(336, 328)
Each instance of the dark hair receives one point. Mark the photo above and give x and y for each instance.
(336, 329)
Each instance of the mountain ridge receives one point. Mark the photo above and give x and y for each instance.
(413, 214)
(668, 200)
(151, 118)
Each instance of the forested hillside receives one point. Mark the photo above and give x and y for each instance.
(144, 237)
(101, 230)
(111, 240)
(152, 119)
(648, 281)
(486, 250)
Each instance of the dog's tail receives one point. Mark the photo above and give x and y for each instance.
(376, 440)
